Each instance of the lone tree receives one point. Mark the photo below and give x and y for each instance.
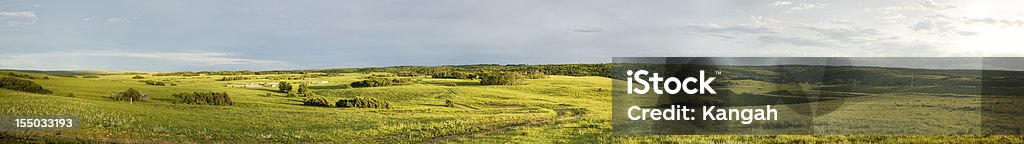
(132, 95)
(285, 87)
(303, 88)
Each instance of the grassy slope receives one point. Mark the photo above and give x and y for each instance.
(556, 109)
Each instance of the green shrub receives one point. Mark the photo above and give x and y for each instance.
(138, 77)
(449, 103)
(268, 95)
(25, 76)
(303, 88)
(90, 76)
(360, 102)
(207, 98)
(155, 83)
(285, 87)
(380, 82)
(128, 95)
(317, 101)
(502, 78)
(71, 94)
(22, 85)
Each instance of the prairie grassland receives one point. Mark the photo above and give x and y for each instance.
(558, 109)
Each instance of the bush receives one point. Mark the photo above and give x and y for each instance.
(71, 94)
(449, 103)
(317, 101)
(502, 78)
(22, 85)
(25, 76)
(138, 77)
(379, 82)
(268, 95)
(360, 102)
(128, 95)
(155, 83)
(285, 87)
(91, 76)
(207, 98)
(303, 88)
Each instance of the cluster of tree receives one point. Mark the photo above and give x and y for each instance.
(454, 75)
(131, 95)
(204, 98)
(22, 85)
(502, 78)
(138, 77)
(361, 102)
(25, 76)
(158, 83)
(379, 82)
(91, 76)
(234, 78)
(407, 74)
(284, 87)
(317, 101)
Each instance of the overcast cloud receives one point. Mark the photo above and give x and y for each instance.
(265, 35)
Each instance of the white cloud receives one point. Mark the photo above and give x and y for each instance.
(87, 19)
(796, 6)
(118, 20)
(932, 5)
(18, 18)
(890, 16)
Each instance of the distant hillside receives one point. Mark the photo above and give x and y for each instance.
(73, 72)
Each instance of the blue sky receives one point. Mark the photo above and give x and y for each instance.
(265, 35)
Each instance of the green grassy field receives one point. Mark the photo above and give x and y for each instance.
(557, 109)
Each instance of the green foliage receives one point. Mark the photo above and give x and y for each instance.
(22, 85)
(90, 76)
(360, 102)
(204, 98)
(234, 78)
(380, 82)
(304, 88)
(17, 75)
(454, 75)
(284, 87)
(317, 101)
(71, 94)
(138, 77)
(155, 83)
(449, 103)
(268, 95)
(128, 95)
(502, 78)
(535, 75)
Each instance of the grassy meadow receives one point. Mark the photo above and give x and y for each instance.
(555, 109)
